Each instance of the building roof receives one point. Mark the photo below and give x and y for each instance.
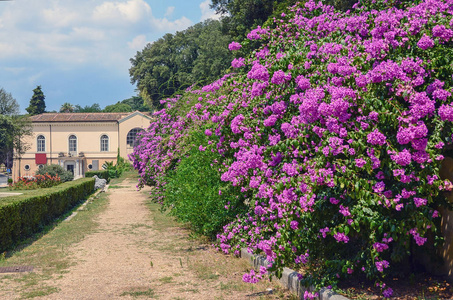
(83, 117)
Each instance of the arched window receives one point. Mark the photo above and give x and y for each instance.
(104, 143)
(41, 143)
(72, 143)
(132, 136)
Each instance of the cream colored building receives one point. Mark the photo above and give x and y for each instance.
(79, 141)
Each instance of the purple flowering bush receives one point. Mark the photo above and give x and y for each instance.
(332, 133)
(172, 156)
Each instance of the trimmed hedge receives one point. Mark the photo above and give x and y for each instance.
(104, 174)
(23, 215)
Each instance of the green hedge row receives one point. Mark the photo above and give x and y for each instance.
(23, 215)
(100, 173)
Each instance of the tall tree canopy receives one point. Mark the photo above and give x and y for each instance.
(6, 127)
(242, 15)
(88, 108)
(12, 128)
(239, 16)
(213, 54)
(67, 108)
(175, 62)
(37, 105)
(127, 105)
(118, 107)
(136, 103)
(8, 105)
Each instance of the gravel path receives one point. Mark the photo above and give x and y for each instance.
(126, 258)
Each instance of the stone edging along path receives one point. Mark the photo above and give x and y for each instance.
(289, 278)
(82, 206)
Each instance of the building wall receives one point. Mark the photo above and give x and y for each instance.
(57, 146)
(88, 137)
(127, 124)
(88, 144)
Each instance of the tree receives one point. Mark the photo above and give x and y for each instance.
(87, 108)
(240, 16)
(8, 105)
(21, 129)
(342, 5)
(175, 62)
(12, 131)
(155, 69)
(37, 105)
(118, 107)
(136, 103)
(213, 54)
(6, 127)
(12, 128)
(67, 108)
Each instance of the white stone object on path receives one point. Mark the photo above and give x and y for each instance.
(99, 183)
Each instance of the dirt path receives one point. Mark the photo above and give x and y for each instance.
(127, 258)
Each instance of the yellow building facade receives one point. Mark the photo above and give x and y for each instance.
(79, 142)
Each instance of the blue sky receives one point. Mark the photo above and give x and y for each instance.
(79, 51)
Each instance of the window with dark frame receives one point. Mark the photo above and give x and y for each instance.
(72, 143)
(131, 139)
(41, 143)
(104, 143)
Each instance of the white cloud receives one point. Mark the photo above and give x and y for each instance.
(71, 32)
(207, 12)
(169, 11)
(50, 41)
(165, 25)
(87, 33)
(14, 70)
(132, 11)
(138, 42)
(58, 16)
(33, 79)
(7, 49)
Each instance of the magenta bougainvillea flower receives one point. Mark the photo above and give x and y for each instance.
(331, 134)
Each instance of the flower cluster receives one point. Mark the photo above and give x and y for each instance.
(34, 182)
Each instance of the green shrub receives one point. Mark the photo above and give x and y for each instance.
(56, 170)
(23, 215)
(116, 170)
(104, 174)
(122, 165)
(196, 195)
(111, 170)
